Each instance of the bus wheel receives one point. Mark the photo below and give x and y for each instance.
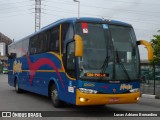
(54, 97)
(17, 89)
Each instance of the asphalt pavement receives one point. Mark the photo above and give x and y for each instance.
(11, 101)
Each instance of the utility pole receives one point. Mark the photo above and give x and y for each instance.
(78, 7)
(37, 15)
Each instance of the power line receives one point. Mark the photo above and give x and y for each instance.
(99, 7)
(69, 11)
(118, 9)
(143, 30)
(131, 2)
(55, 10)
(14, 15)
(16, 11)
(3, 4)
(14, 7)
(120, 1)
(51, 14)
(136, 12)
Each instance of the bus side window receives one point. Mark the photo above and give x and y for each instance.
(71, 56)
(67, 34)
(70, 65)
(18, 51)
(54, 39)
(12, 52)
(43, 39)
(33, 45)
(25, 44)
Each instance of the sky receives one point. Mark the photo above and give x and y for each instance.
(17, 17)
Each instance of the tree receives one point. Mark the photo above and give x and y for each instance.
(155, 42)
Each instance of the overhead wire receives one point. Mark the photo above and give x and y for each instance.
(12, 3)
(82, 5)
(96, 15)
(120, 1)
(22, 6)
(100, 7)
(13, 15)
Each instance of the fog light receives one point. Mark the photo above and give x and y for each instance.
(137, 98)
(82, 99)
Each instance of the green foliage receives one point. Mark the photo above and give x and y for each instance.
(155, 42)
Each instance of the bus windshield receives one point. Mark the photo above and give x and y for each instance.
(126, 53)
(109, 52)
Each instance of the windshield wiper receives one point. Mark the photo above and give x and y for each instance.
(105, 64)
(122, 65)
(106, 61)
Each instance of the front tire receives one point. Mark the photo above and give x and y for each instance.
(54, 97)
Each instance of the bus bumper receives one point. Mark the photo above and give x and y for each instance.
(102, 99)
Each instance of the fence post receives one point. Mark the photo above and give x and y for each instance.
(154, 92)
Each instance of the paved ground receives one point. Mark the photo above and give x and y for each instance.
(149, 88)
(11, 101)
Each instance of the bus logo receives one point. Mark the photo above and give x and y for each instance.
(17, 67)
(125, 87)
(114, 90)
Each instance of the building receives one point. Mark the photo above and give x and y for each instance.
(4, 42)
(5, 39)
(2, 49)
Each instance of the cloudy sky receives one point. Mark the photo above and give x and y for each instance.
(17, 16)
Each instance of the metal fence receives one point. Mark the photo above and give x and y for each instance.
(150, 83)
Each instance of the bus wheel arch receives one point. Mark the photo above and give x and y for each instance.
(16, 85)
(15, 78)
(51, 82)
(53, 94)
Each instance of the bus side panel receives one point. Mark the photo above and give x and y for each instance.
(35, 76)
(10, 72)
(24, 74)
(68, 92)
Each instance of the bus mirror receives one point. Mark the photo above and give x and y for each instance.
(12, 56)
(78, 46)
(149, 48)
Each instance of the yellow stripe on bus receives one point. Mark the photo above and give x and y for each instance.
(40, 71)
(60, 58)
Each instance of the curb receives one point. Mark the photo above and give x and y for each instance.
(150, 96)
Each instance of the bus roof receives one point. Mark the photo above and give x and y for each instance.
(85, 19)
(74, 20)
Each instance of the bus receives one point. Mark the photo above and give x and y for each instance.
(80, 61)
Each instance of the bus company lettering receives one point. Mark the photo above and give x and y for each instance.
(17, 67)
(89, 84)
(125, 87)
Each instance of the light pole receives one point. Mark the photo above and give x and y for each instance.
(78, 7)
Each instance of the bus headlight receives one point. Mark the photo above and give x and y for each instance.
(134, 90)
(88, 91)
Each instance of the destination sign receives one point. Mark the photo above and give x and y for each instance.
(96, 74)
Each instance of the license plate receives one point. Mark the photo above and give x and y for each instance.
(114, 100)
